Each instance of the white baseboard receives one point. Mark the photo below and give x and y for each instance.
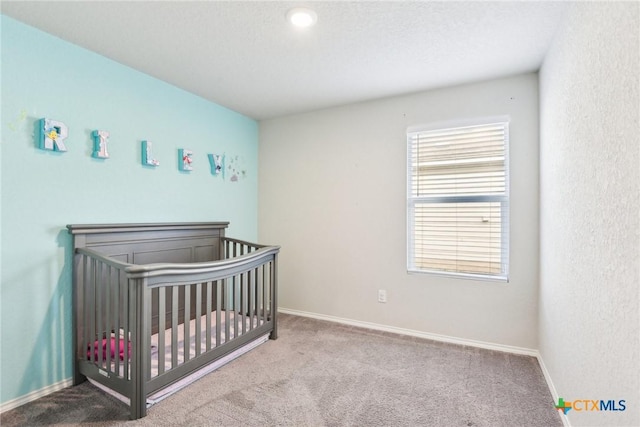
(552, 389)
(414, 333)
(36, 394)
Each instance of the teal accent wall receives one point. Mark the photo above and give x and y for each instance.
(43, 191)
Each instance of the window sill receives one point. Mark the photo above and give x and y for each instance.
(465, 276)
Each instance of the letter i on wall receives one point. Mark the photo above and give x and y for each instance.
(100, 140)
(147, 154)
(52, 135)
(185, 159)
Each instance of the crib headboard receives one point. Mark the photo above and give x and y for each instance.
(154, 242)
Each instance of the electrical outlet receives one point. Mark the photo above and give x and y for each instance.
(382, 295)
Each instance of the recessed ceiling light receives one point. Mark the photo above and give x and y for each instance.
(302, 17)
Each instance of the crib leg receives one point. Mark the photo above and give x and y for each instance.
(274, 298)
(137, 410)
(138, 407)
(274, 332)
(78, 378)
(140, 311)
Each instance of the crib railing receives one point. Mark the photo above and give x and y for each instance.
(195, 312)
(233, 247)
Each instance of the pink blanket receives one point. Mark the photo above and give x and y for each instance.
(96, 349)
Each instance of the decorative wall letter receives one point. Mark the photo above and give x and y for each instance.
(52, 135)
(147, 156)
(100, 140)
(217, 164)
(185, 158)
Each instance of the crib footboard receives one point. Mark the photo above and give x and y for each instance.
(142, 328)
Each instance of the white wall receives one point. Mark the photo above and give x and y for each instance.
(590, 253)
(332, 192)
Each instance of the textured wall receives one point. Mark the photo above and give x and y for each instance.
(590, 253)
(42, 191)
(332, 192)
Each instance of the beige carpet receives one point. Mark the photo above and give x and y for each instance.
(324, 374)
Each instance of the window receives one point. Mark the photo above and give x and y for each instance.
(458, 200)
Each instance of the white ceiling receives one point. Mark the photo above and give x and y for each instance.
(244, 55)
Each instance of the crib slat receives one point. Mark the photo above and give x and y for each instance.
(115, 295)
(270, 289)
(255, 314)
(105, 283)
(123, 285)
(208, 325)
(249, 299)
(162, 325)
(219, 296)
(229, 297)
(264, 292)
(259, 293)
(198, 334)
(247, 303)
(87, 345)
(236, 304)
(174, 327)
(187, 323)
(243, 303)
(242, 297)
(98, 324)
(112, 317)
(107, 317)
(272, 273)
(132, 316)
(273, 298)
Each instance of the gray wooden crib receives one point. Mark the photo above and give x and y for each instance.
(154, 303)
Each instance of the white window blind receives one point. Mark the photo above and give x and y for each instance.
(458, 200)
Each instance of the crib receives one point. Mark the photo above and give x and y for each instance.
(156, 304)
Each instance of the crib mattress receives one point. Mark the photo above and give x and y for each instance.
(195, 341)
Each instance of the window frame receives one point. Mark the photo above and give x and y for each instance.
(503, 199)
